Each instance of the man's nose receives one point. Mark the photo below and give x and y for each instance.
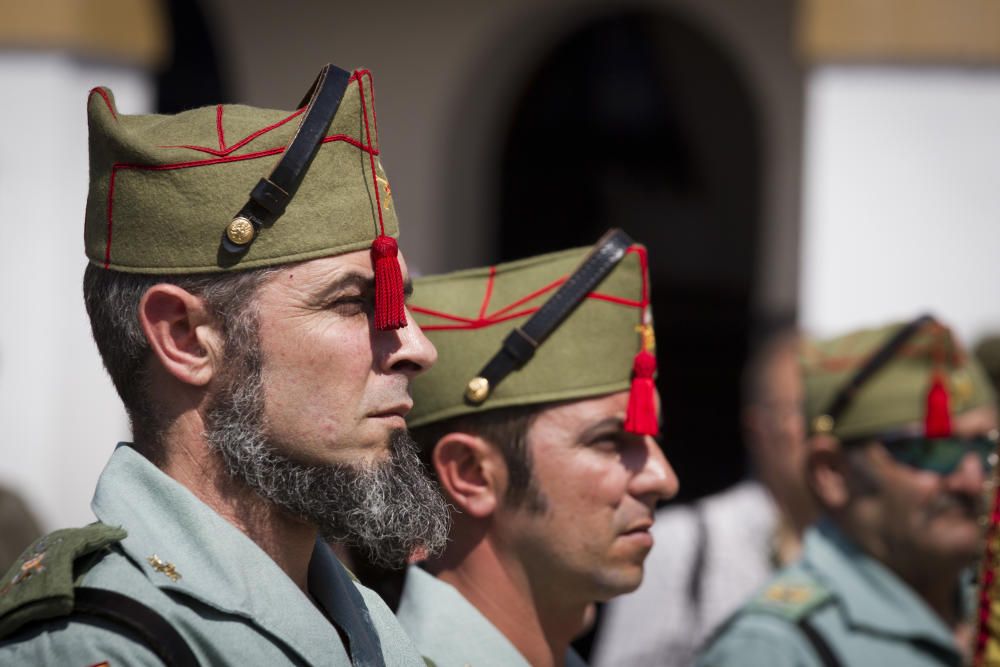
(656, 479)
(413, 353)
(969, 476)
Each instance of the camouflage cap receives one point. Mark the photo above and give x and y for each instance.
(468, 315)
(899, 392)
(163, 189)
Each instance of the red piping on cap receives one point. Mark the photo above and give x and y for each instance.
(390, 301)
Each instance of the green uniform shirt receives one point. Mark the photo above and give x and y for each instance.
(864, 612)
(227, 598)
(451, 632)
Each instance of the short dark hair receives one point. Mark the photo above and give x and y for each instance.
(504, 428)
(112, 299)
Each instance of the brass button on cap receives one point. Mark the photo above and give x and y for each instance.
(477, 390)
(240, 231)
(823, 424)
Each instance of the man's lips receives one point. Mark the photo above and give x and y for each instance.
(641, 526)
(638, 533)
(399, 410)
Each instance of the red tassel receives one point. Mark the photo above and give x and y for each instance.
(641, 416)
(390, 311)
(937, 419)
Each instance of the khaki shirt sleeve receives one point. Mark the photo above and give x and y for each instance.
(75, 645)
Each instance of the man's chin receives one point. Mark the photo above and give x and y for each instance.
(960, 542)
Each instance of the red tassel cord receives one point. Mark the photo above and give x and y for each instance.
(390, 302)
(641, 416)
(937, 419)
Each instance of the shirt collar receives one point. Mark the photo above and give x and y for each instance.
(201, 555)
(431, 610)
(872, 596)
(441, 619)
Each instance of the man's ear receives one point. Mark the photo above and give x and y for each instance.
(826, 471)
(471, 472)
(181, 332)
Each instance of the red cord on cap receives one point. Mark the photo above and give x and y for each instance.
(390, 302)
(390, 309)
(641, 416)
(937, 419)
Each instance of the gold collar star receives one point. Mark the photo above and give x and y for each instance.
(164, 567)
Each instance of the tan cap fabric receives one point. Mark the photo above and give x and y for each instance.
(164, 188)
(468, 314)
(897, 394)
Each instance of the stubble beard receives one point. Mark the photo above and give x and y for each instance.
(387, 509)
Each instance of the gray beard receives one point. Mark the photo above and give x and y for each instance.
(388, 509)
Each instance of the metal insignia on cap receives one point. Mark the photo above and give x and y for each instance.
(823, 424)
(477, 390)
(240, 231)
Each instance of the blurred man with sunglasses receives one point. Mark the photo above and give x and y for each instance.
(903, 429)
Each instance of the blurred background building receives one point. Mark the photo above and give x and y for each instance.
(830, 161)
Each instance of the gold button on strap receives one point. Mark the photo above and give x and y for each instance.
(477, 390)
(240, 231)
(823, 424)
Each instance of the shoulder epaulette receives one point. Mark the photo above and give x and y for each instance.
(40, 585)
(791, 595)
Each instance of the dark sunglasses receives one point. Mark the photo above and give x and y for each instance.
(937, 455)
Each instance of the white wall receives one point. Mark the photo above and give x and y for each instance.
(901, 209)
(59, 414)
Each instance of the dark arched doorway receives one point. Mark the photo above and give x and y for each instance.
(639, 120)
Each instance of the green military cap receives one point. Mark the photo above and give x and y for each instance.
(987, 353)
(470, 315)
(236, 187)
(878, 380)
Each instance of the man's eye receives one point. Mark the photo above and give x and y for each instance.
(607, 443)
(350, 305)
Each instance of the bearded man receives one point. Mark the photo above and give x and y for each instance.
(256, 331)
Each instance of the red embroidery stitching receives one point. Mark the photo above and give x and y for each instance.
(504, 314)
(616, 299)
(644, 269)
(443, 316)
(371, 88)
(371, 155)
(218, 127)
(204, 163)
(111, 199)
(489, 292)
(548, 288)
(475, 324)
(222, 150)
(103, 93)
(242, 142)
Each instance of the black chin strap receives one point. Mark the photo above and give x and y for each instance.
(520, 345)
(828, 419)
(272, 194)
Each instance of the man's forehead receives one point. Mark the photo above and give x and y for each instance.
(580, 415)
(326, 271)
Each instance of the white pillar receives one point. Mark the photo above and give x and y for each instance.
(901, 208)
(59, 414)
